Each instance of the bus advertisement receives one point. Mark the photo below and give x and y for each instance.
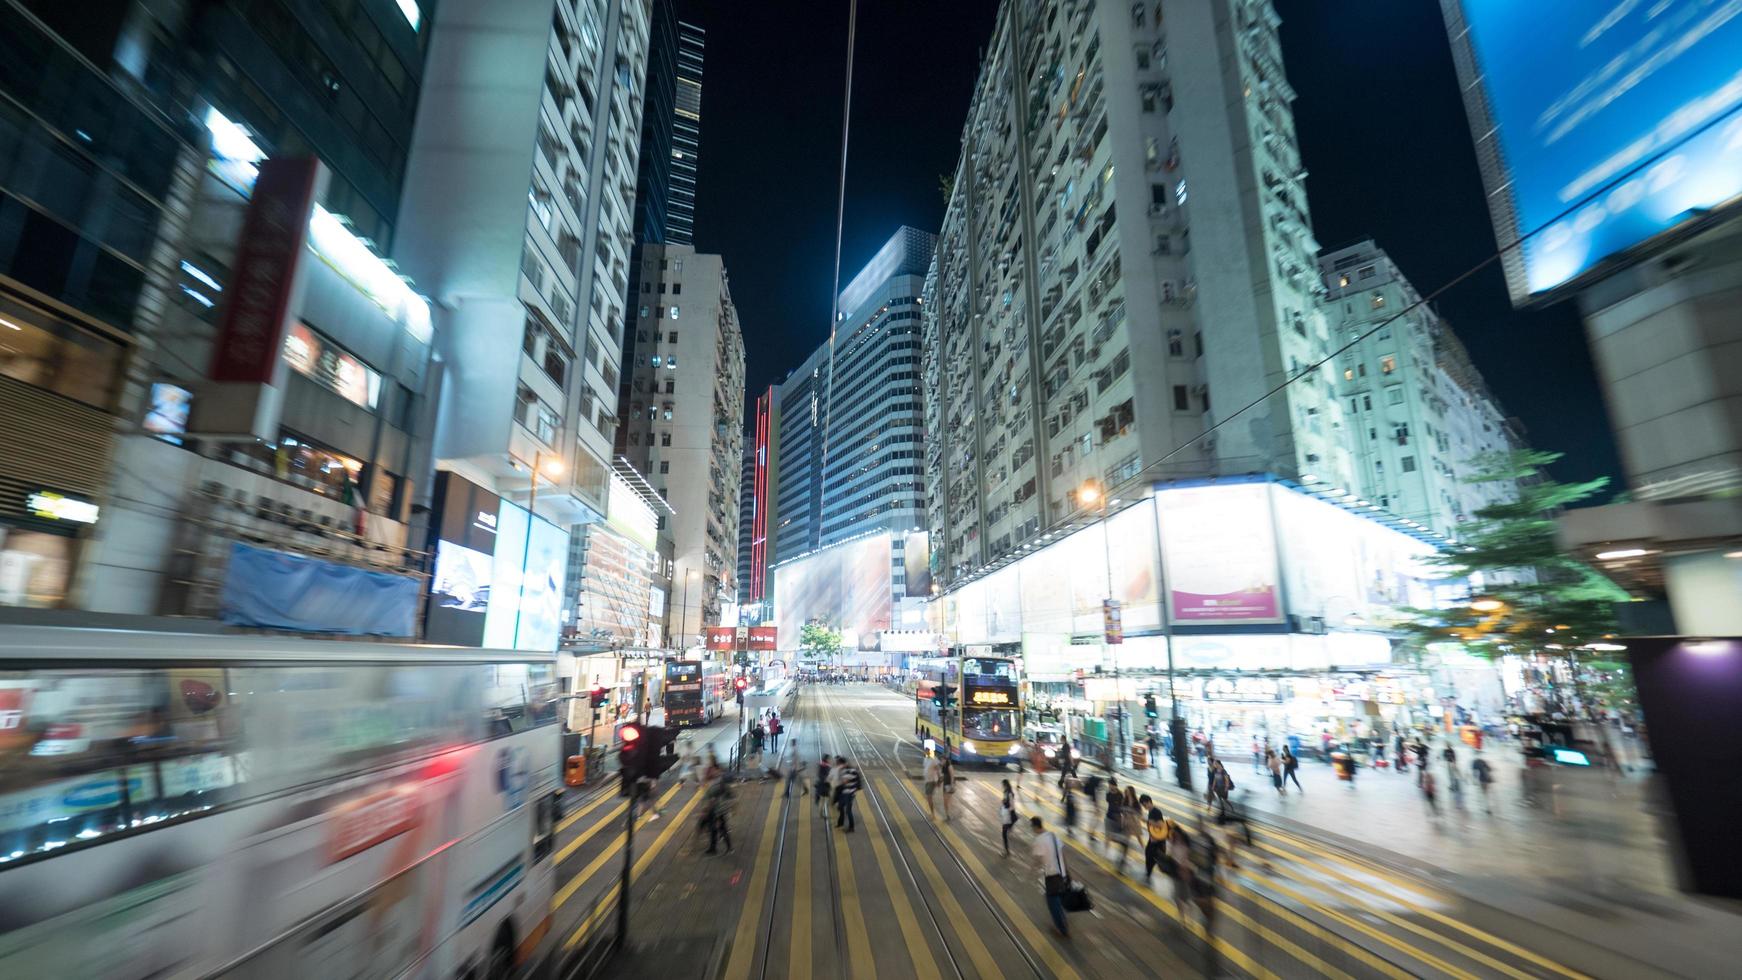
(175, 805)
(684, 702)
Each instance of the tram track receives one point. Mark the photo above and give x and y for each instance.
(891, 762)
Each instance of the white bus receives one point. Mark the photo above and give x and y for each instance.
(177, 805)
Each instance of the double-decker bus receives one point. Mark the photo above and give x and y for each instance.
(218, 806)
(716, 689)
(984, 723)
(684, 702)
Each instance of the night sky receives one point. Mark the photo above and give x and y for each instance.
(1382, 133)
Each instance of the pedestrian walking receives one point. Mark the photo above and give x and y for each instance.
(1049, 856)
(948, 786)
(1258, 753)
(1455, 785)
(795, 773)
(1428, 788)
(719, 805)
(1155, 845)
(686, 768)
(825, 780)
(1179, 861)
(933, 776)
(1070, 803)
(1273, 763)
(1484, 774)
(1113, 825)
(1221, 784)
(1007, 815)
(846, 792)
(1397, 751)
(1291, 768)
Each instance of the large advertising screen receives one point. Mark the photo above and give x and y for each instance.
(1219, 545)
(498, 576)
(849, 587)
(1347, 570)
(1605, 124)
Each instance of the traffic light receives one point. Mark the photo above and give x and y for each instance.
(740, 684)
(596, 696)
(659, 751)
(945, 695)
(1149, 707)
(630, 758)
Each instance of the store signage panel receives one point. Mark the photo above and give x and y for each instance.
(764, 637)
(51, 506)
(721, 637)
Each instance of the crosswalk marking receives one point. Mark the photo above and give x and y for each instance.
(593, 866)
(858, 940)
(924, 964)
(641, 864)
(799, 958)
(984, 964)
(1024, 923)
(744, 940)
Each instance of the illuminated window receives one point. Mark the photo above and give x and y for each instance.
(671, 362)
(655, 360)
(674, 313)
(1388, 363)
(1343, 280)
(1348, 374)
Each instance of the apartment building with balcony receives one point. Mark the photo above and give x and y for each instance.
(1416, 410)
(682, 403)
(517, 220)
(1126, 259)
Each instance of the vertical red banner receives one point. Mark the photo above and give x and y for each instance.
(263, 278)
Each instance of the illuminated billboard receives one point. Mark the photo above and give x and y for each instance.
(1604, 125)
(848, 586)
(498, 578)
(1219, 543)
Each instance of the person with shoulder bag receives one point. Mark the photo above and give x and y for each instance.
(1007, 815)
(1049, 854)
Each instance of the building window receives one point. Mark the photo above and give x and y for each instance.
(665, 439)
(1348, 374)
(671, 338)
(1176, 344)
(677, 266)
(671, 386)
(1388, 363)
(676, 288)
(1378, 301)
(1394, 395)
(1181, 399)
(1366, 272)
(1366, 403)
(674, 312)
(1409, 464)
(655, 360)
(671, 362)
(666, 411)
(665, 466)
(1343, 280)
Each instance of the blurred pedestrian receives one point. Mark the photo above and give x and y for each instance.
(1425, 779)
(1007, 815)
(1258, 753)
(1290, 768)
(825, 781)
(1273, 763)
(1484, 774)
(933, 775)
(719, 805)
(1049, 855)
(948, 781)
(795, 773)
(1221, 784)
(1070, 803)
(1155, 846)
(846, 792)
(1114, 825)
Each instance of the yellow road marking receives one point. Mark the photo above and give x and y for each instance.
(1012, 911)
(799, 959)
(744, 940)
(641, 864)
(569, 820)
(586, 835)
(924, 964)
(858, 940)
(1323, 858)
(984, 964)
(593, 866)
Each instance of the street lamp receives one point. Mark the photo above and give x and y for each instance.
(1091, 493)
(551, 467)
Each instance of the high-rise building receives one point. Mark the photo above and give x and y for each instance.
(144, 134)
(746, 520)
(665, 194)
(683, 407)
(686, 135)
(517, 219)
(1129, 204)
(757, 516)
(1417, 413)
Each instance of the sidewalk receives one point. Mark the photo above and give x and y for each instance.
(1590, 862)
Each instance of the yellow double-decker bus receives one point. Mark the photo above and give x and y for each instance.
(970, 706)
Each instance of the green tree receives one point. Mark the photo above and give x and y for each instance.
(1533, 599)
(820, 640)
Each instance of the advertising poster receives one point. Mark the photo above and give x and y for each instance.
(464, 543)
(849, 586)
(1220, 550)
(502, 618)
(1615, 121)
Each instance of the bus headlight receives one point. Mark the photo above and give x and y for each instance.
(1015, 750)
(968, 747)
